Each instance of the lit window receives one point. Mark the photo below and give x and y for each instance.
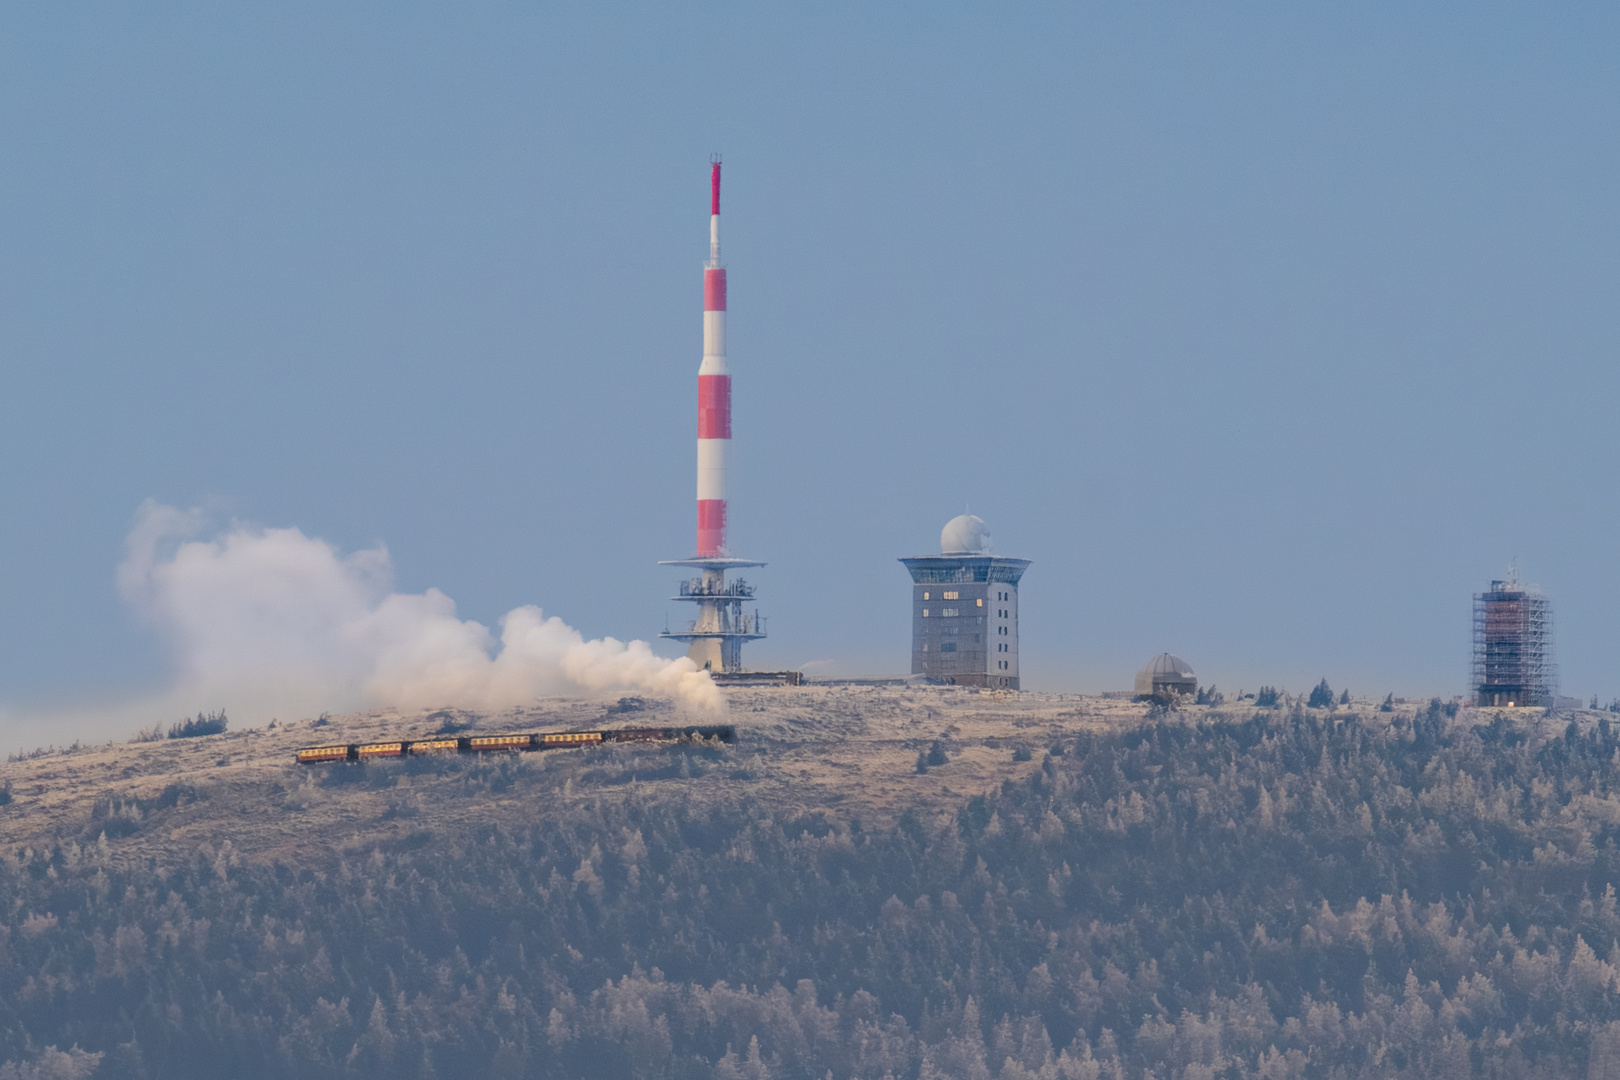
(950, 595)
(925, 596)
(925, 613)
(981, 603)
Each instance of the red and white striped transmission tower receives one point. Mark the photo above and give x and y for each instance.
(714, 639)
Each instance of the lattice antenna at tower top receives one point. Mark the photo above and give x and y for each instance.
(1513, 646)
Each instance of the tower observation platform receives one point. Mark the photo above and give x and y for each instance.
(714, 639)
(964, 609)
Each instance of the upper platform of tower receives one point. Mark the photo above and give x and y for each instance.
(964, 556)
(717, 562)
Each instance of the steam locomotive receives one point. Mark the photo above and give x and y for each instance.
(478, 744)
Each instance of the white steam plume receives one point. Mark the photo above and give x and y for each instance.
(277, 620)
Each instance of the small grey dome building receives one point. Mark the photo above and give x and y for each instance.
(1166, 676)
(964, 609)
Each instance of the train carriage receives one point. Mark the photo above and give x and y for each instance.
(501, 742)
(434, 746)
(310, 754)
(569, 738)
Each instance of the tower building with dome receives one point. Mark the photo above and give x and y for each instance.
(964, 609)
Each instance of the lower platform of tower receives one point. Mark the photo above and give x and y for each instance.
(714, 639)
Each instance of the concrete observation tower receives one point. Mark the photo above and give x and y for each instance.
(715, 638)
(964, 609)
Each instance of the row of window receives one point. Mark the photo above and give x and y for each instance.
(1003, 665)
(950, 646)
(953, 595)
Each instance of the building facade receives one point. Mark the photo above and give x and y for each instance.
(964, 610)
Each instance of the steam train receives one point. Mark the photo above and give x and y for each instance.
(479, 744)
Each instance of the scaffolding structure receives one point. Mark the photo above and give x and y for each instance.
(1513, 653)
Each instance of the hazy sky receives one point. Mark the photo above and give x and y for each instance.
(1269, 332)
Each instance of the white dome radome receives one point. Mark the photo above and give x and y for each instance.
(965, 534)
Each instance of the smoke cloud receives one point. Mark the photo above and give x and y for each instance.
(273, 620)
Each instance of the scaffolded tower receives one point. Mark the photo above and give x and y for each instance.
(1513, 656)
(715, 638)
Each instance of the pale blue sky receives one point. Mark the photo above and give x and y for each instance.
(1269, 332)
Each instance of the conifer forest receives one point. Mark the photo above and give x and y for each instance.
(1273, 893)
